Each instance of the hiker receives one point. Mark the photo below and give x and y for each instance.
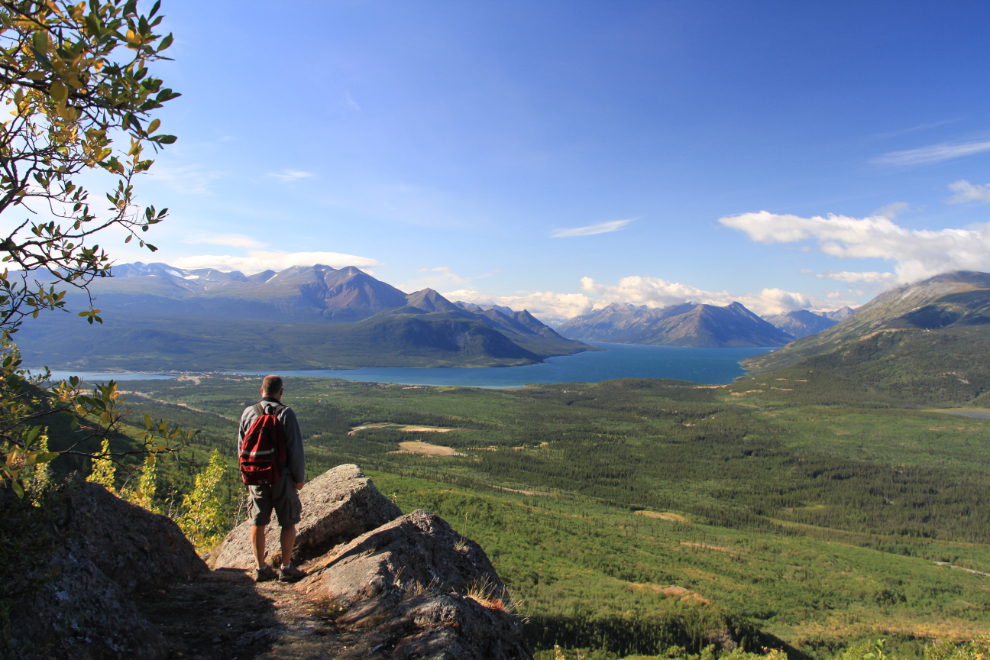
(280, 494)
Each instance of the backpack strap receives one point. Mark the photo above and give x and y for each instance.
(274, 410)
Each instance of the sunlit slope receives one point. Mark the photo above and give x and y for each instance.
(927, 341)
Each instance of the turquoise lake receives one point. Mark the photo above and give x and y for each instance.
(708, 366)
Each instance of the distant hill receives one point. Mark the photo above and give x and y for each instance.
(157, 317)
(687, 324)
(841, 314)
(802, 323)
(926, 341)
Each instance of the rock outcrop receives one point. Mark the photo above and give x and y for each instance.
(380, 585)
(84, 552)
(337, 506)
(130, 545)
(427, 591)
(401, 586)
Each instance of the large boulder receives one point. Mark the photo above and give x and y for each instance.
(337, 506)
(81, 614)
(74, 560)
(422, 590)
(132, 546)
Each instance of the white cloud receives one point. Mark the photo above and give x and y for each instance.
(933, 154)
(859, 278)
(650, 291)
(350, 102)
(259, 260)
(968, 192)
(546, 305)
(917, 253)
(891, 211)
(288, 176)
(185, 178)
(603, 228)
(233, 240)
(434, 278)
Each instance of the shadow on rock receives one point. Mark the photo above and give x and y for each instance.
(78, 555)
(220, 615)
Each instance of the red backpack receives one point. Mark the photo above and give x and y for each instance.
(263, 448)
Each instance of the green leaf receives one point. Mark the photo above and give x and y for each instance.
(147, 421)
(18, 489)
(59, 92)
(40, 41)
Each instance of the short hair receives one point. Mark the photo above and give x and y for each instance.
(271, 385)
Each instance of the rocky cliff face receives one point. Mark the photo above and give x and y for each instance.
(381, 585)
(74, 601)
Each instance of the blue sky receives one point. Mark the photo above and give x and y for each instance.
(563, 155)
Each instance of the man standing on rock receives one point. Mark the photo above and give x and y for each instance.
(283, 496)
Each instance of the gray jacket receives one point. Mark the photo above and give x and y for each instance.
(295, 460)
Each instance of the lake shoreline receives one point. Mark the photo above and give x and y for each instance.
(704, 366)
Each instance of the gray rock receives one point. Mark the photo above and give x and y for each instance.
(80, 615)
(68, 597)
(337, 506)
(427, 591)
(131, 545)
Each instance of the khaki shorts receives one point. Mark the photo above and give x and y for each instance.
(281, 498)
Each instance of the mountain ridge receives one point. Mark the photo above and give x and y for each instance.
(923, 340)
(158, 317)
(801, 323)
(685, 324)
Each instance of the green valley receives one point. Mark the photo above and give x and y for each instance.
(793, 510)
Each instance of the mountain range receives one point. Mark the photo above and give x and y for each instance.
(686, 324)
(803, 322)
(928, 340)
(157, 317)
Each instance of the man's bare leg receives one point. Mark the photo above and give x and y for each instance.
(258, 544)
(288, 539)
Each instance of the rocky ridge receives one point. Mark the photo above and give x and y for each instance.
(76, 598)
(380, 585)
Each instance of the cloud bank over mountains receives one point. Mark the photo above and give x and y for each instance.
(259, 260)
(638, 290)
(916, 253)
(913, 253)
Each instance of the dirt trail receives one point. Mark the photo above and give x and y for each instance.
(402, 427)
(227, 616)
(173, 403)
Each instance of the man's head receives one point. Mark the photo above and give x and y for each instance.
(271, 387)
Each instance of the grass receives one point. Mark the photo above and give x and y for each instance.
(634, 517)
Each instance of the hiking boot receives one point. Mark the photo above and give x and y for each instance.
(290, 574)
(265, 574)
